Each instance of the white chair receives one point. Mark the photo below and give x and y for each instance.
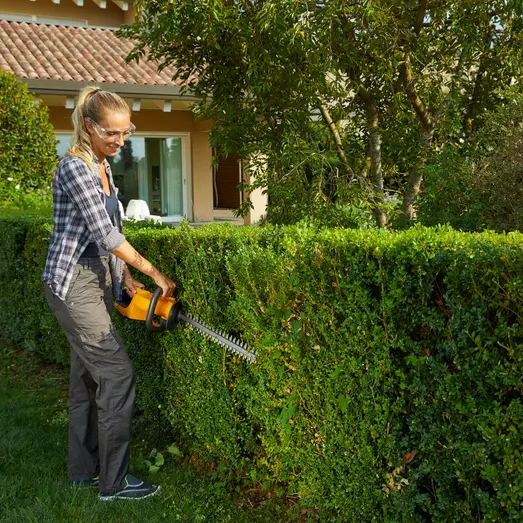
(139, 210)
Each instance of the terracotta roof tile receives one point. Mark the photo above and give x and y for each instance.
(82, 54)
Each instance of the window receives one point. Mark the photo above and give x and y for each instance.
(150, 169)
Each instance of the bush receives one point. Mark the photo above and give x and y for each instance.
(27, 147)
(388, 382)
(449, 196)
(499, 171)
(480, 185)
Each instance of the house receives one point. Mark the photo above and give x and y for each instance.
(58, 46)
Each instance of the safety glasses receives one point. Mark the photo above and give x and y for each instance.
(110, 135)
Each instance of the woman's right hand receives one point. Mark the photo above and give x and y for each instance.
(131, 256)
(165, 283)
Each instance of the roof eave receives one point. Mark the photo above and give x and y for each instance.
(72, 88)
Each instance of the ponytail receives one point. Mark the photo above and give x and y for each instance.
(93, 103)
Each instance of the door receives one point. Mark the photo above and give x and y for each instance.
(171, 177)
(227, 176)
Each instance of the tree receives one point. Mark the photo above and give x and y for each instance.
(391, 82)
(454, 56)
(27, 143)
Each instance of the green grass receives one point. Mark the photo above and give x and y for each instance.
(33, 464)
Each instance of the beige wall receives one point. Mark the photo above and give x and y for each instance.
(259, 200)
(111, 16)
(202, 177)
(174, 122)
(128, 16)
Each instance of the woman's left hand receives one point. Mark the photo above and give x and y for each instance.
(130, 284)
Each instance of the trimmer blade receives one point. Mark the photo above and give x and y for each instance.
(232, 345)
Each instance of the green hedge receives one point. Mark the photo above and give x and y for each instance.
(389, 376)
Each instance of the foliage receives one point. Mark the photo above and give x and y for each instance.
(389, 83)
(388, 381)
(31, 201)
(499, 173)
(449, 197)
(27, 147)
(478, 185)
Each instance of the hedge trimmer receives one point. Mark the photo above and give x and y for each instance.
(145, 306)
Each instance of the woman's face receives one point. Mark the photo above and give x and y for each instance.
(109, 134)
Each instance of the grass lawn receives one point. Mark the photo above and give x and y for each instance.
(33, 464)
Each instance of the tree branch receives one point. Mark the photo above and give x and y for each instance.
(471, 109)
(337, 139)
(420, 16)
(421, 111)
(376, 170)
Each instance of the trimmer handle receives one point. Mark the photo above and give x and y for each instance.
(172, 316)
(149, 323)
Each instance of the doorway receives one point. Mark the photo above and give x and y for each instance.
(227, 175)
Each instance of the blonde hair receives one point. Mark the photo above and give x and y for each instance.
(93, 103)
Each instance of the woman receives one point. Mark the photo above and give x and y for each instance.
(86, 263)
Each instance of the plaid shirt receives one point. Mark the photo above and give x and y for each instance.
(80, 217)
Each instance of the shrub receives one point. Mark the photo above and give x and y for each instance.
(388, 382)
(27, 147)
(499, 171)
(449, 196)
(479, 186)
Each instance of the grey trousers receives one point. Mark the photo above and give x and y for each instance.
(102, 385)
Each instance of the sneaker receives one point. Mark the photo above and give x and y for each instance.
(134, 489)
(92, 482)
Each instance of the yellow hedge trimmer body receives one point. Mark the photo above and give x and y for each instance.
(145, 306)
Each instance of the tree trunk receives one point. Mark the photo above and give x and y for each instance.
(349, 173)
(411, 193)
(376, 170)
(427, 126)
(376, 176)
(423, 114)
